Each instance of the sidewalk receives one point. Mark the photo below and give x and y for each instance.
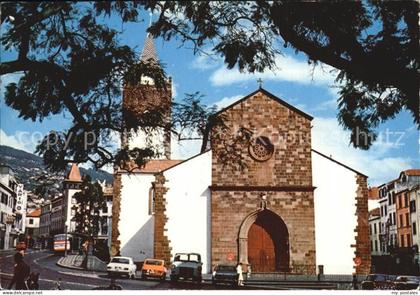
(8, 250)
(266, 281)
(270, 282)
(75, 262)
(71, 262)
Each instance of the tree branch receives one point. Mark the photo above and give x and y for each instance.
(365, 68)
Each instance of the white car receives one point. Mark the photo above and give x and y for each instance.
(122, 266)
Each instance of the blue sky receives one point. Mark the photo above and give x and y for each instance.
(397, 149)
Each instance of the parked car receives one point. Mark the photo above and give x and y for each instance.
(153, 268)
(407, 283)
(378, 281)
(186, 266)
(225, 274)
(122, 266)
(36, 246)
(20, 246)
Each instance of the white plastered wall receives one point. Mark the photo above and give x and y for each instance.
(136, 226)
(335, 219)
(188, 207)
(69, 193)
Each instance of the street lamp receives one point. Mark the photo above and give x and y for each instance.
(66, 224)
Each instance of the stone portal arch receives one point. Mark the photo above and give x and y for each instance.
(264, 239)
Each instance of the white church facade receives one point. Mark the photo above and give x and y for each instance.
(289, 208)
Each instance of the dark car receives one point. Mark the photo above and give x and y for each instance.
(378, 282)
(407, 283)
(225, 274)
(187, 266)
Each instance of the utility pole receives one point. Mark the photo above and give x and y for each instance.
(65, 238)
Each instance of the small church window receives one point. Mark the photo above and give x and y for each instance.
(152, 199)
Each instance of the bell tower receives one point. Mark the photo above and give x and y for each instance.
(143, 99)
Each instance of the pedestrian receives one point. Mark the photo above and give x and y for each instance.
(113, 285)
(354, 282)
(32, 282)
(248, 275)
(58, 284)
(240, 274)
(20, 273)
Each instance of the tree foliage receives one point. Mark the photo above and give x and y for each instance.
(373, 45)
(89, 203)
(72, 63)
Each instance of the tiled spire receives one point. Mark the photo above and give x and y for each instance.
(149, 50)
(74, 174)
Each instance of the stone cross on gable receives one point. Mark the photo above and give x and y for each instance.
(260, 82)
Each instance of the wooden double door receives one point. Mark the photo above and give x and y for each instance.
(268, 247)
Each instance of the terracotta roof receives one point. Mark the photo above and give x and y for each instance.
(412, 172)
(35, 213)
(374, 212)
(74, 174)
(373, 193)
(153, 166)
(149, 50)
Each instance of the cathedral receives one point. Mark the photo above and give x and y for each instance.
(289, 208)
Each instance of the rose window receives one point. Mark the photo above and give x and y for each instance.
(261, 149)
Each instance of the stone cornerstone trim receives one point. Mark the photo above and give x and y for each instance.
(116, 209)
(362, 246)
(161, 247)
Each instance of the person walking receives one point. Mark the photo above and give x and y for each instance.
(57, 284)
(20, 273)
(354, 282)
(240, 274)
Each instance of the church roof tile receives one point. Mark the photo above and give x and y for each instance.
(152, 166)
(74, 174)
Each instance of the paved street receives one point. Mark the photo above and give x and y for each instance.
(44, 262)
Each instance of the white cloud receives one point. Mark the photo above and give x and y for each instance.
(19, 140)
(205, 62)
(86, 165)
(226, 101)
(108, 168)
(378, 162)
(181, 150)
(288, 69)
(6, 80)
(174, 89)
(330, 104)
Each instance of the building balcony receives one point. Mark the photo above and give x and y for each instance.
(14, 231)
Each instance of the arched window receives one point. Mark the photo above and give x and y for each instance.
(152, 199)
